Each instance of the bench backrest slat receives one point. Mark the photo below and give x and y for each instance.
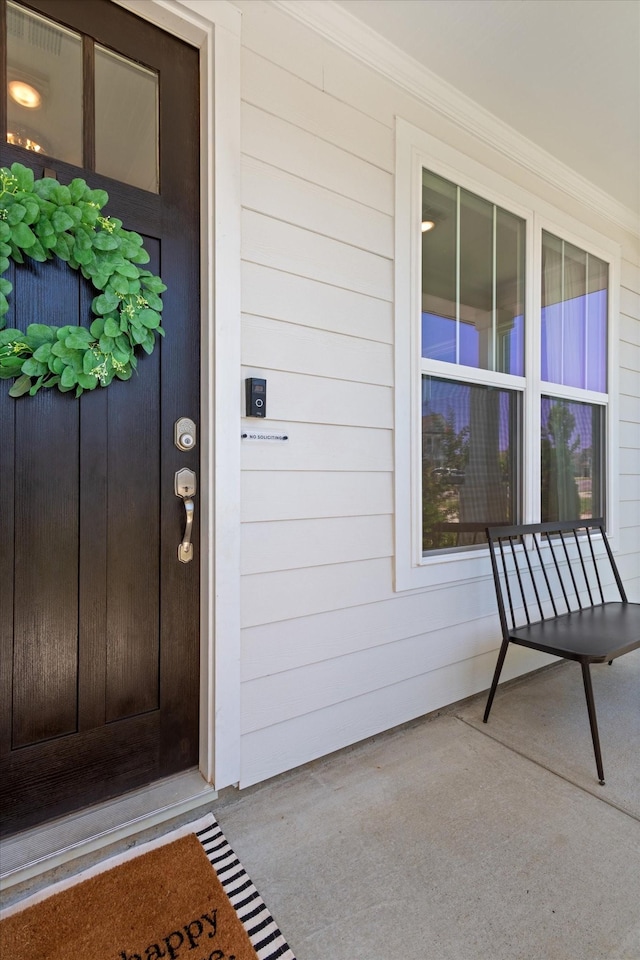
(582, 564)
(545, 575)
(549, 569)
(595, 566)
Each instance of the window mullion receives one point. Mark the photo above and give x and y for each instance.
(531, 413)
(562, 310)
(586, 322)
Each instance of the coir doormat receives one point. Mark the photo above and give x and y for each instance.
(183, 897)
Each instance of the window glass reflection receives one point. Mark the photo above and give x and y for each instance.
(469, 461)
(571, 460)
(574, 316)
(126, 120)
(473, 262)
(44, 76)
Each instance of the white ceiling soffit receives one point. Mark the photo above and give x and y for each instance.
(552, 84)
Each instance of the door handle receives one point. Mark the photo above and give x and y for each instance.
(185, 487)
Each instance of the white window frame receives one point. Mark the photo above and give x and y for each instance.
(415, 150)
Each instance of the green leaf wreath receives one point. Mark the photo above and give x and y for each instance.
(42, 219)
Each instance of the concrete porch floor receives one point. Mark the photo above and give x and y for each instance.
(448, 839)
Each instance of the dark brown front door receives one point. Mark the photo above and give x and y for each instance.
(98, 618)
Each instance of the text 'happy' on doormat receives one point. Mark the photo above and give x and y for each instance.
(182, 897)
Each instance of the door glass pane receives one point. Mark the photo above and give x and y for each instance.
(470, 461)
(574, 316)
(572, 458)
(473, 256)
(126, 120)
(44, 96)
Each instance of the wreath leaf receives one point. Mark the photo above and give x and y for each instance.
(21, 386)
(43, 219)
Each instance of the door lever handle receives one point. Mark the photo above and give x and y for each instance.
(185, 549)
(185, 487)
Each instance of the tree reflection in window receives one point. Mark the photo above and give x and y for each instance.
(469, 461)
(571, 460)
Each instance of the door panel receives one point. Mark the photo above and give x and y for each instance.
(100, 673)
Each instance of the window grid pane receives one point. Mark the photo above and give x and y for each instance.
(473, 266)
(574, 316)
(571, 460)
(470, 461)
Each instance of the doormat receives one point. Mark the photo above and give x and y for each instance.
(185, 896)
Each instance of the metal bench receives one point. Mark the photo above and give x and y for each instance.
(550, 581)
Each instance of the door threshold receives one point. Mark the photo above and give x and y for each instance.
(36, 851)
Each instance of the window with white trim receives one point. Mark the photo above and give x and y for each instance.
(507, 353)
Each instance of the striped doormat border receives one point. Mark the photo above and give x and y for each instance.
(264, 933)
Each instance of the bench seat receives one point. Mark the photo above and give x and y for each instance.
(597, 634)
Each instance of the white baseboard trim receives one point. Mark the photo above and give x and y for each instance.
(33, 852)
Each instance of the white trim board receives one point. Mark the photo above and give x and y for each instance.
(360, 41)
(214, 27)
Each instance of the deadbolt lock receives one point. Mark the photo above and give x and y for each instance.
(184, 434)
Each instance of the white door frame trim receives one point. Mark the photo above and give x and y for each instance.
(214, 27)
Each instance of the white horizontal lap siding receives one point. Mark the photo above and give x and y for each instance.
(630, 463)
(301, 349)
(631, 510)
(628, 489)
(628, 380)
(630, 360)
(330, 653)
(279, 295)
(288, 594)
(277, 91)
(630, 303)
(268, 190)
(282, 495)
(274, 243)
(629, 540)
(292, 544)
(306, 155)
(281, 39)
(629, 405)
(628, 547)
(630, 275)
(271, 699)
(629, 408)
(311, 735)
(286, 645)
(317, 300)
(319, 446)
(630, 434)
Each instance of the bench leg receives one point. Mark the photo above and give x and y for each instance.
(591, 707)
(496, 677)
